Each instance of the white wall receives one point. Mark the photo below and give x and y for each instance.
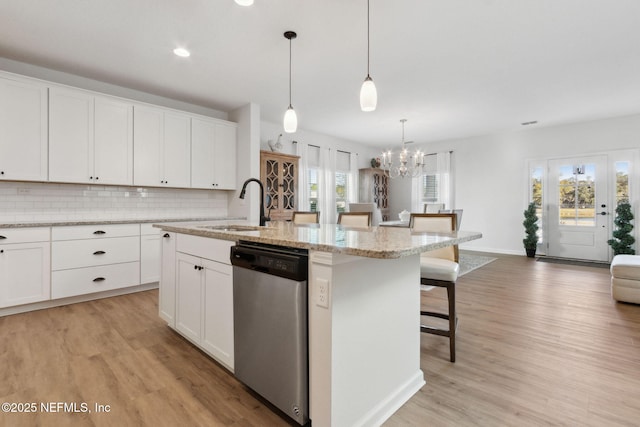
(490, 173)
(270, 130)
(248, 162)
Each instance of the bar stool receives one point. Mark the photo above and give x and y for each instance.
(439, 268)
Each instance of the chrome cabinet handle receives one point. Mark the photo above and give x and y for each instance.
(99, 279)
(99, 232)
(99, 253)
(166, 235)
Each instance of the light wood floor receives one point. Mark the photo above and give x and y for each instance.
(538, 344)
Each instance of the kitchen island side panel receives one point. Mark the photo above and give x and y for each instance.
(364, 348)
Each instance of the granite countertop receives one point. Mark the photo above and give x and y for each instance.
(115, 221)
(372, 242)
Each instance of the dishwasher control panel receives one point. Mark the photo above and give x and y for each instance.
(291, 263)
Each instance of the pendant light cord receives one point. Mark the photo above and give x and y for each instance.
(289, 73)
(368, 49)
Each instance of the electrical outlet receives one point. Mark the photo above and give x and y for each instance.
(322, 293)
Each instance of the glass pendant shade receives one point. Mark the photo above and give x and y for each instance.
(290, 120)
(368, 95)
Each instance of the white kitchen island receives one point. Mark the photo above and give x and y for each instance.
(364, 297)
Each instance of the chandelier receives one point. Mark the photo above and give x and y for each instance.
(406, 163)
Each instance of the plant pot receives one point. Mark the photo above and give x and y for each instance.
(531, 253)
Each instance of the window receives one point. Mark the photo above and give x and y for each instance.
(536, 187)
(536, 196)
(622, 182)
(429, 188)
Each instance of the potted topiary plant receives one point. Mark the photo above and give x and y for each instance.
(531, 230)
(622, 238)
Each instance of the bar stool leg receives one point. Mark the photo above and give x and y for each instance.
(453, 320)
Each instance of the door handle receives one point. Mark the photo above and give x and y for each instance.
(99, 253)
(166, 235)
(99, 279)
(603, 213)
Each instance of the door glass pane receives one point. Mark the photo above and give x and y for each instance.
(576, 189)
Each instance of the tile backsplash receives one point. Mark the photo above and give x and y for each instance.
(46, 202)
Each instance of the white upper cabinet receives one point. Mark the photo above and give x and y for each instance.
(162, 147)
(90, 138)
(113, 142)
(23, 130)
(213, 154)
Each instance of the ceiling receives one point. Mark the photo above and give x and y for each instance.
(453, 68)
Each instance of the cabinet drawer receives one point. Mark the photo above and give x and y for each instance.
(86, 253)
(204, 247)
(81, 281)
(24, 235)
(76, 232)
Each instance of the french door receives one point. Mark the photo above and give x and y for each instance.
(578, 212)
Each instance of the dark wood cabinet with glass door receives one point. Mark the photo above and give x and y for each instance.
(279, 174)
(374, 188)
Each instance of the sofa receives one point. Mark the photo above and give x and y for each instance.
(625, 278)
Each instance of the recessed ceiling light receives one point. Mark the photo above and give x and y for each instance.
(182, 52)
(244, 2)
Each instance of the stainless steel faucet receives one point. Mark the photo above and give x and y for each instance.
(263, 218)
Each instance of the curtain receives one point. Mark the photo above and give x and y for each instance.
(443, 168)
(303, 176)
(327, 190)
(416, 194)
(353, 178)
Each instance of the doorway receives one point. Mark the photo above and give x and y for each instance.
(578, 214)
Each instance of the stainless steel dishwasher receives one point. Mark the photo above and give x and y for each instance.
(270, 324)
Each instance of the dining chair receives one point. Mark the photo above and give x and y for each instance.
(439, 268)
(433, 207)
(355, 219)
(376, 213)
(303, 217)
(458, 212)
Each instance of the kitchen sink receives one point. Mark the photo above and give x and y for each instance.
(231, 227)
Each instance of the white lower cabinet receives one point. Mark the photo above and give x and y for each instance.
(41, 263)
(204, 295)
(217, 315)
(88, 259)
(24, 266)
(189, 296)
(150, 253)
(167, 299)
(81, 281)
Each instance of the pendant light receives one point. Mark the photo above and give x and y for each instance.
(290, 118)
(368, 92)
